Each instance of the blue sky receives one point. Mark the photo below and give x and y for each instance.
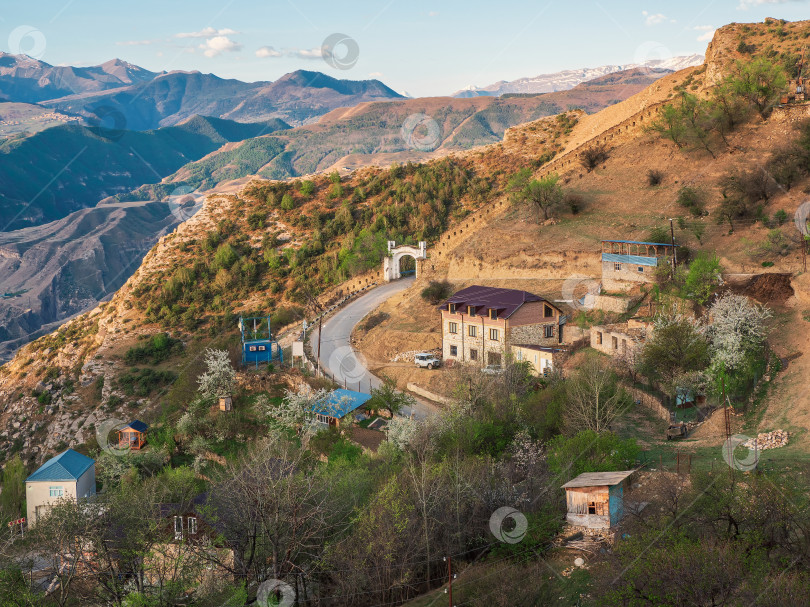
(424, 47)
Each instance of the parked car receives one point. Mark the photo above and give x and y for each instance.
(426, 360)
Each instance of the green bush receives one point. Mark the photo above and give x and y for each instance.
(157, 349)
(437, 291)
(693, 199)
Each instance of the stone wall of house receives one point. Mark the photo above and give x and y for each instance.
(611, 303)
(616, 280)
(534, 335)
(472, 349)
(611, 342)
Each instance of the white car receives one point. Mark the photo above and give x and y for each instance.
(426, 360)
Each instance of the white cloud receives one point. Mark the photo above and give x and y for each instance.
(268, 51)
(653, 19)
(219, 44)
(708, 32)
(208, 32)
(375, 75)
(313, 53)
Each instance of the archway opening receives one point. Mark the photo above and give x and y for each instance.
(407, 266)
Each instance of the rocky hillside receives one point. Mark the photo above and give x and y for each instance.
(267, 248)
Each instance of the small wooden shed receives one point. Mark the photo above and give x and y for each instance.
(596, 499)
(132, 435)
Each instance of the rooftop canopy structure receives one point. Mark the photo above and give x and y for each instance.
(258, 344)
(338, 404)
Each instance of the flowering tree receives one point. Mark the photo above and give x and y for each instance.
(736, 329)
(220, 378)
(401, 431)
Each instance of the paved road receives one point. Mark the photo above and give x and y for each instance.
(340, 360)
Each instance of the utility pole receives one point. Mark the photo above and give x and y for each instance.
(450, 577)
(674, 254)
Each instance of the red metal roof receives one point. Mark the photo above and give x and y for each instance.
(506, 301)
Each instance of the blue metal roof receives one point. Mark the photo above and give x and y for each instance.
(658, 244)
(67, 466)
(341, 402)
(136, 425)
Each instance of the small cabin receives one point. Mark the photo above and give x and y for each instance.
(133, 435)
(595, 500)
(225, 403)
(337, 405)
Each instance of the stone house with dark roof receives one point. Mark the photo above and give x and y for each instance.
(481, 324)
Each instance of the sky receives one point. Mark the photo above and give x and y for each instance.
(418, 47)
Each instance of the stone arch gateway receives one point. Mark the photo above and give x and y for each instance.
(396, 253)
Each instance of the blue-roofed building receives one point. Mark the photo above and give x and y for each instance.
(625, 262)
(69, 475)
(338, 404)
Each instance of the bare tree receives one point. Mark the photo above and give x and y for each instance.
(594, 399)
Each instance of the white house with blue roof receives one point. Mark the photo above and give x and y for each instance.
(69, 475)
(337, 405)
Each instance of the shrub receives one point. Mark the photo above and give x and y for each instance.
(287, 202)
(437, 291)
(703, 278)
(307, 188)
(659, 234)
(157, 349)
(226, 256)
(374, 320)
(256, 220)
(693, 199)
(574, 201)
(780, 217)
(594, 156)
(654, 177)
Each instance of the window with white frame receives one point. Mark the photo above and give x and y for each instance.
(56, 491)
(548, 331)
(192, 525)
(617, 267)
(178, 527)
(452, 327)
(493, 334)
(472, 330)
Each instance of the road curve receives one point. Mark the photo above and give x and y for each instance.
(340, 360)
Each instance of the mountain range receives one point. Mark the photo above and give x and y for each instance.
(567, 79)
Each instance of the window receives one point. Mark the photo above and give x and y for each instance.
(493, 314)
(520, 355)
(548, 311)
(452, 327)
(192, 525)
(599, 338)
(493, 334)
(615, 343)
(591, 507)
(452, 308)
(178, 527)
(262, 348)
(56, 491)
(641, 268)
(548, 331)
(471, 310)
(453, 351)
(472, 330)
(617, 267)
(251, 348)
(473, 354)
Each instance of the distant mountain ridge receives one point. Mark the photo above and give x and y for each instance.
(29, 80)
(567, 79)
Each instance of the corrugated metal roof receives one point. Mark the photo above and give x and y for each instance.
(341, 402)
(594, 479)
(67, 466)
(506, 301)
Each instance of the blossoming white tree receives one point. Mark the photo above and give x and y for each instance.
(401, 431)
(220, 378)
(736, 328)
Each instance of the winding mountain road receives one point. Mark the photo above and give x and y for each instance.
(341, 361)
